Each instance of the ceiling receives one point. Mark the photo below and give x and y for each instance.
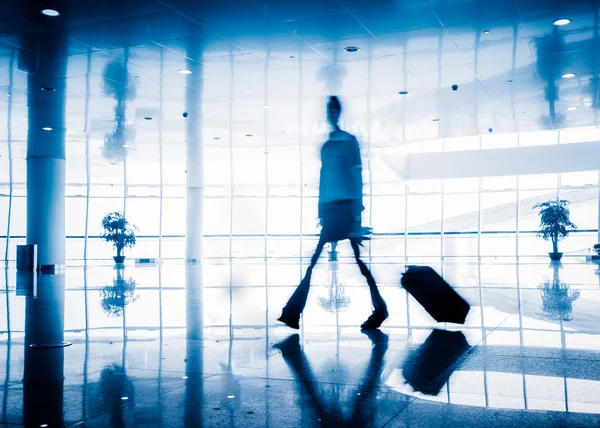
(506, 58)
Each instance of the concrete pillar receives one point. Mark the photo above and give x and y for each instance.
(43, 59)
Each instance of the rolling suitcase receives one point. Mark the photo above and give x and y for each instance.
(436, 296)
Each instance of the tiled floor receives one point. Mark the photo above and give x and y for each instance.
(188, 350)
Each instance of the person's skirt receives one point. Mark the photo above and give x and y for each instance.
(339, 222)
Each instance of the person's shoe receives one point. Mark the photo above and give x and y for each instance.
(375, 320)
(291, 322)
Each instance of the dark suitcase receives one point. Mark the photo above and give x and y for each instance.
(435, 295)
(429, 367)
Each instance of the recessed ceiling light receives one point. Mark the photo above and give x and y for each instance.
(265, 106)
(136, 77)
(231, 396)
(248, 135)
(124, 398)
(292, 57)
(510, 81)
(125, 145)
(50, 12)
(436, 120)
(184, 377)
(184, 71)
(568, 75)
(563, 21)
(47, 128)
(486, 31)
(572, 108)
(403, 92)
(351, 49)
(216, 138)
(148, 118)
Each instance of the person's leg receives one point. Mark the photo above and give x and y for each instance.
(290, 314)
(380, 313)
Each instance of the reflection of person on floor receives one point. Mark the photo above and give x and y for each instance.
(365, 404)
(115, 385)
(340, 208)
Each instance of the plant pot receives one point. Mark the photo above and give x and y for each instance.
(119, 259)
(555, 256)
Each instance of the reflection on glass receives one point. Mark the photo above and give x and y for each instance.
(119, 84)
(551, 61)
(557, 297)
(121, 293)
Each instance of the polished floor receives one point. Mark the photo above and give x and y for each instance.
(158, 346)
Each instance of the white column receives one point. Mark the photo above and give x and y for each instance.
(194, 162)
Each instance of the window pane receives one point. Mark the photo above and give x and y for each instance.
(460, 185)
(388, 213)
(174, 216)
(284, 165)
(284, 216)
(217, 216)
(424, 213)
(18, 217)
(99, 207)
(499, 183)
(249, 166)
(461, 212)
(538, 181)
(145, 214)
(249, 215)
(585, 178)
(4, 203)
(498, 211)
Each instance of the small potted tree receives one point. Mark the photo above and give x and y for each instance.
(119, 232)
(597, 250)
(555, 223)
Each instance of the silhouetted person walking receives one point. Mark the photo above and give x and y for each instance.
(340, 209)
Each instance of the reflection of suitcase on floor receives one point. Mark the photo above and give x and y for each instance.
(435, 295)
(429, 367)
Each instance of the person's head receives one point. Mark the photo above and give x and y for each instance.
(334, 110)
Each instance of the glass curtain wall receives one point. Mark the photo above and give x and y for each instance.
(261, 176)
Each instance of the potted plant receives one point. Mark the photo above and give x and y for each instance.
(119, 232)
(597, 250)
(555, 223)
